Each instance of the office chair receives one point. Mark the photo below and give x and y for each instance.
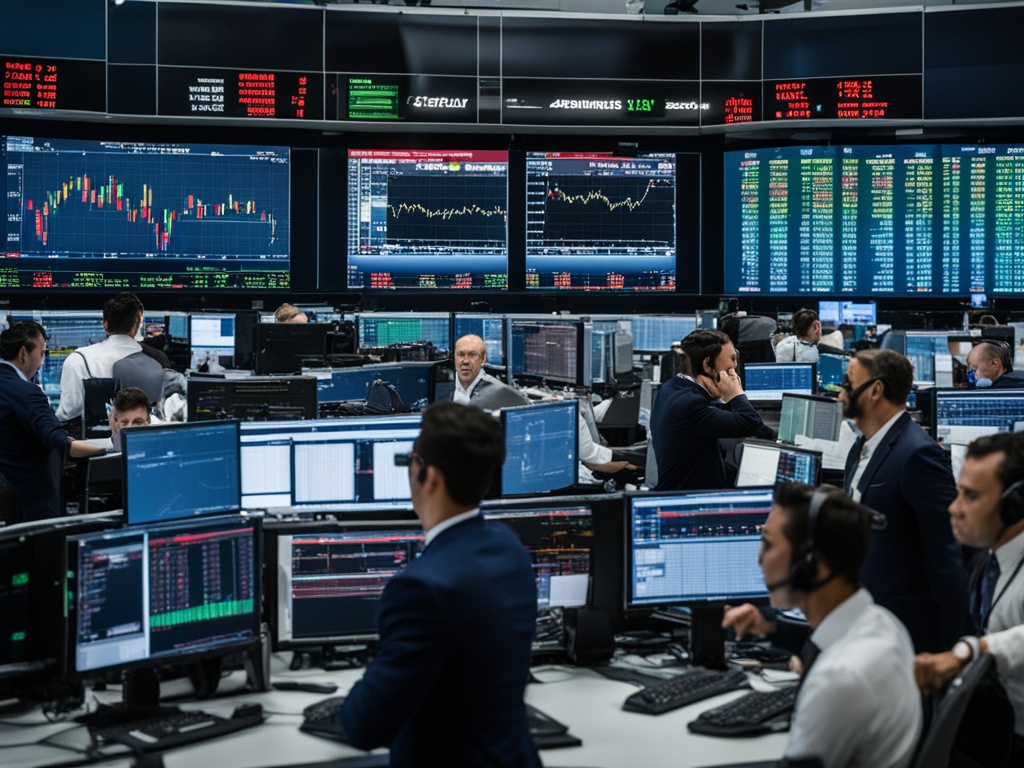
(946, 713)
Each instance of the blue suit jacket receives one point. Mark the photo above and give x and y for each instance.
(685, 428)
(32, 447)
(914, 567)
(446, 685)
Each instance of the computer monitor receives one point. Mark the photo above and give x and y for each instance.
(858, 313)
(611, 356)
(327, 465)
(288, 347)
(66, 331)
(252, 398)
(816, 417)
(926, 351)
(212, 340)
(383, 329)
(491, 328)
(694, 548)
(554, 349)
(175, 471)
(769, 381)
(828, 313)
(328, 578)
(961, 415)
(653, 334)
(171, 593)
(414, 382)
(831, 370)
(765, 463)
(541, 447)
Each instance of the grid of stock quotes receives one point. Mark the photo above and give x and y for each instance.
(133, 215)
(594, 221)
(427, 219)
(868, 220)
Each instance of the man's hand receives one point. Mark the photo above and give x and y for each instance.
(729, 385)
(610, 467)
(746, 620)
(932, 671)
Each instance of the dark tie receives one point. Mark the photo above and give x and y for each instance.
(808, 655)
(987, 591)
(852, 461)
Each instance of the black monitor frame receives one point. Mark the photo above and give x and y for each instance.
(581, 374)
(516, 411)
(253, 398)
(285, 347)
(780, 448)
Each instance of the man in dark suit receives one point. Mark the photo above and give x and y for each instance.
(446, 685)
(33, 444)
(914, 568)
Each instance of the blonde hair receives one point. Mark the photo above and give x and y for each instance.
(286, 313)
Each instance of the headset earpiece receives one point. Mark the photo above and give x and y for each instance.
(1011, 504)
(803, 573)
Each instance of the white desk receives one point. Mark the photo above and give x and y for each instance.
(589, 704)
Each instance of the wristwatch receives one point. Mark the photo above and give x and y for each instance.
(966, 649)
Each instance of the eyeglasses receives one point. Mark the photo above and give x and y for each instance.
(406, 459)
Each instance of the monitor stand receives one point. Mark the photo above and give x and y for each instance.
(707, 637)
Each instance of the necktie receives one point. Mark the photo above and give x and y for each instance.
(808, 655)
(857, 469)
(987, 590)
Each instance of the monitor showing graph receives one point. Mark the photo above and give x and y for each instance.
(595, 221)
(84, 215)
(422, 218)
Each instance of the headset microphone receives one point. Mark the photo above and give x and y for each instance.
(779, 584)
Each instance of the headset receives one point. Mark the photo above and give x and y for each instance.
(803, 573)
(1011, 504)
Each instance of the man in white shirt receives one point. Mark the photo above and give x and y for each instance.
(122, 317)
(858, 705)
(802, 346)
(475, 387)
(988, 513)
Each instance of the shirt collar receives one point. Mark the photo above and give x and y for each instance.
(834, 626)
(876, 439)
(472, 385)
(444, 525)
(21, 375)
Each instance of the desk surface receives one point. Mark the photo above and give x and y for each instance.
(589, 704)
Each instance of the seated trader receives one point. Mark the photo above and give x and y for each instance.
(130, 407)
(802, 346)
(445, 687)
(990, 364)
(122, 316)
(988, 513)
(693, 412)
(475, 387)
(858, 705)
(289, 313)
(915, 568)
(33, 444)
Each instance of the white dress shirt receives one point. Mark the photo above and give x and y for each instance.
(859, 706)
(792, 350)
(101, 358)
(449, 523)
(462, 394)
(1005, 636)
(866, 451)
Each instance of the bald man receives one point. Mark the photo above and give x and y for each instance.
(475, 387)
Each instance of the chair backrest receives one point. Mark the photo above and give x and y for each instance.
(98, 391)
(937, 741)
(142, 371)
(752, 335)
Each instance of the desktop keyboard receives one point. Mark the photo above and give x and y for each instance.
(749, 715)
(173, 729)
(695, 684)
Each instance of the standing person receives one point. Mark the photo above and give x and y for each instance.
(915, 568)
(33, 444)
(802, 346)
(446, 685)
(693, 412)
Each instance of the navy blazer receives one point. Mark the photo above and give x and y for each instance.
(685, 428)
(33, 445)
(914, 567)
(446, 684)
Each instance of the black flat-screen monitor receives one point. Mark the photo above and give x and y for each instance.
(427, 219)
(657, 333)
(541, 447)
(819, 418)
(89, 215)
(595, 221)
(765, 463)
(383, 329)
(961, 415)
(163, 594)
(553, 349)
(924, 348)
(693, 548)
(414, 382)
(252, 398)
(769, 381)
(493, 329)
(288, 347)
(328, 578)
(831, 370)
(175, 471)
(212, 341)
(327, 464)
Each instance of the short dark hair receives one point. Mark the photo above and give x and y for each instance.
(22, 333)
(1011, 468)
(702, 344)
(842, 530)
(121, 313)
(803, 319)
(130, 398)
(894, 369)
(997, 349)
(465, 444)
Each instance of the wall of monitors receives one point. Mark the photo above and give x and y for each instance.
(914, 220)
(136, 215)
(310, 64)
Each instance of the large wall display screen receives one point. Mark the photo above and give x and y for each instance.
(875, 220)
(134, 215)
(427, 218)
(594, 221)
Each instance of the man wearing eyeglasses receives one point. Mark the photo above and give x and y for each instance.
(914, 568)
(446, 684)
